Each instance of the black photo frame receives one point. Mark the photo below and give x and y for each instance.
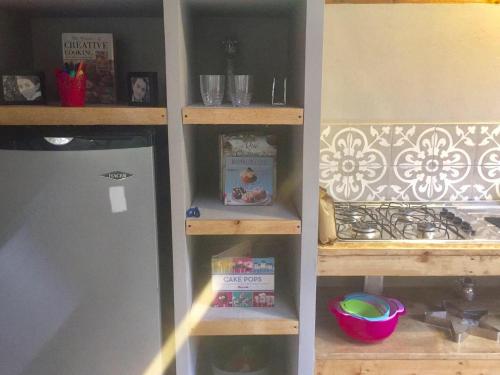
(22, 88)
(143, 89)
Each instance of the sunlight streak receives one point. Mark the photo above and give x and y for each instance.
(181, 334)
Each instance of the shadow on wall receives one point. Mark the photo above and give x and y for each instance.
(411, 162)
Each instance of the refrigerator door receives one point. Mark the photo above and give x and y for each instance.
(78, 262)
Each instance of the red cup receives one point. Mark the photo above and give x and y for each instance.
(71, 90)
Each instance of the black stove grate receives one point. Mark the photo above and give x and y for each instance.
(398, 221)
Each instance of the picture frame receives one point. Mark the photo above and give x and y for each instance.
(143, 89)
(22, 88)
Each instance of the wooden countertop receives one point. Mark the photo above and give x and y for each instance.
(407, 258)
(390, 247)
(414, 348)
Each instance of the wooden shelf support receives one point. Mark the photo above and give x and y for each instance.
(235, 321)
(253, 115)
(83, 116)
(218, 219)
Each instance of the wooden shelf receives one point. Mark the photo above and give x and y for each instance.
(90, 115)
(218, 219)
(415, 348)
(253, 115)
(234, 321)
(409, 259)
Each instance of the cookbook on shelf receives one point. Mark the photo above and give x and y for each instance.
(240, 280)
(248, 169)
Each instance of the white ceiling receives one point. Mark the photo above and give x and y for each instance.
(85, 7)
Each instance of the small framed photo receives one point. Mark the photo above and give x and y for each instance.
(143, 89)
(22, 88)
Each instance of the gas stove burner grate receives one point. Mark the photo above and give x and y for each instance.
(427, 227)
(367, 230)
(347, 214)
(365, 227)
(426, 230)
(405, 215)
(403, 221)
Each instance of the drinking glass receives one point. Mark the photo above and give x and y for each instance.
(243, 90)
(279, 91)
(212, 89)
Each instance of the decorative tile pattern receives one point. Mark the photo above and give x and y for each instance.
(379, 138)
(488, 148)
(411, 162)
(422, 183)
(487, 175)
(459, 183)
(486, 185)
(454, 145)
(412, 144)
(399, 190)
(329, 156)
(352, 166)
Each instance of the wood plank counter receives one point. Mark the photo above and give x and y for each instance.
(412, 1)
(415, 348)
(399, 258)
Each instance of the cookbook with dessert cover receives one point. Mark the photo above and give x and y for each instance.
(248, 169)
(241, 280)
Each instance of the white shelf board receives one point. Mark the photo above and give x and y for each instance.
(218, 219)
(223, 321)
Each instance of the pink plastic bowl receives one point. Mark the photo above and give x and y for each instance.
(365, 330)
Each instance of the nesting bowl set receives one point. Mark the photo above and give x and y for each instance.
(366, 317)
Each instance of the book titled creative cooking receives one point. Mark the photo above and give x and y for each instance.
(97, 52)
(248, 169)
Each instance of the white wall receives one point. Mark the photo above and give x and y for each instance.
(407, 62)
(15, 43)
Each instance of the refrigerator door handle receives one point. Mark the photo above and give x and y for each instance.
(58, 141)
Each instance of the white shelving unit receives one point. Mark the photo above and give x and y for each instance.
(273, 35)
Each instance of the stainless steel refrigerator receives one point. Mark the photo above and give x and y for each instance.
(79, 288)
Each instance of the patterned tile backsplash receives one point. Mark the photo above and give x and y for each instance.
(411, 162)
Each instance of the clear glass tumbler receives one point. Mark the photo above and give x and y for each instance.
(243, 90)
(279, 91)
(212, 89)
